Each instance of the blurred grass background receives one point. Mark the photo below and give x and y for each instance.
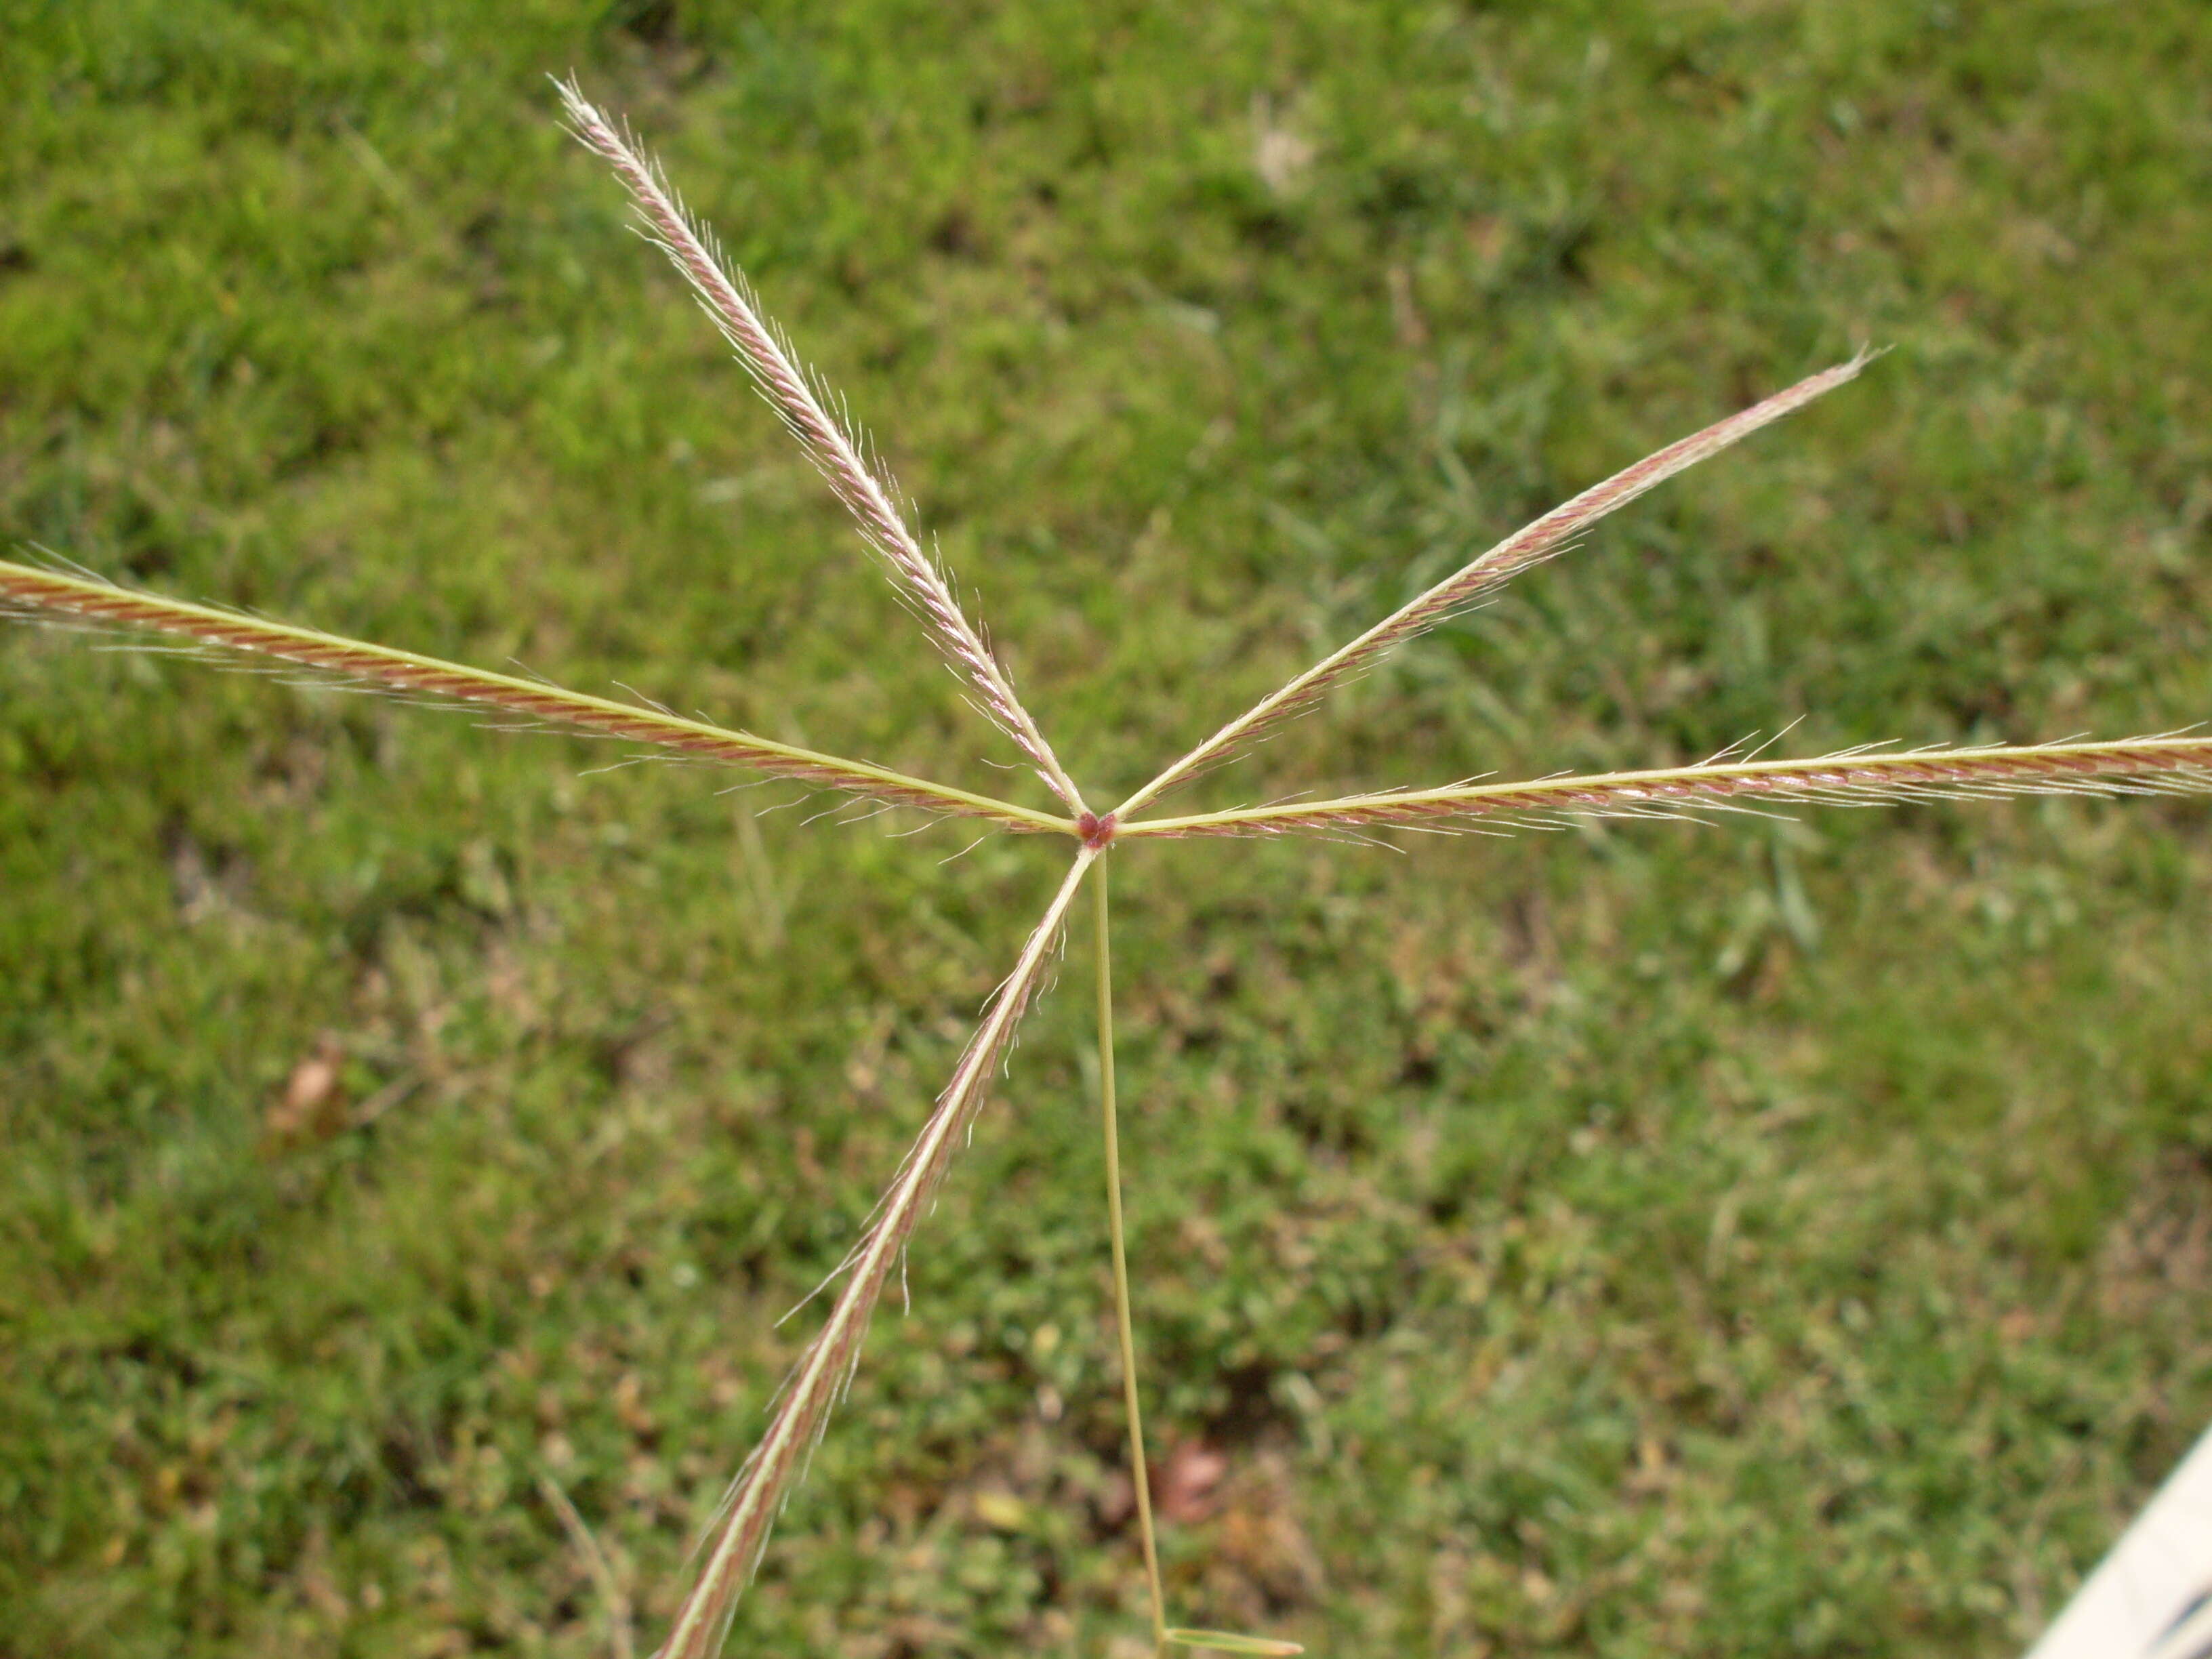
(1786, 1238)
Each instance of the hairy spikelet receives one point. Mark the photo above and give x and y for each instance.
(828, 442)
(50, 593)
(2134, 766)
(802, 1409)
(1531, 545)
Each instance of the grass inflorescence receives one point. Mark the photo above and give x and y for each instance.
(1528, 1261)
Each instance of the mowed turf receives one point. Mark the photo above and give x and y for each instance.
(1793, 1236)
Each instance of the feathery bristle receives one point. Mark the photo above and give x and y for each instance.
(2137, 766)
(816, 1384)
(1531, 545)
(797, 396)
(47, 592)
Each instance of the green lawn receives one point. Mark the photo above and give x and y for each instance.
(1793, 1237)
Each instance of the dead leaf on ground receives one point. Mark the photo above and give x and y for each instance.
(1183, 1483)
(313, 1104)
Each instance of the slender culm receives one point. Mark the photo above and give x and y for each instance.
(1124, 1320)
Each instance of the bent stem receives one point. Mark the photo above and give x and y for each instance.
(1138, 1475)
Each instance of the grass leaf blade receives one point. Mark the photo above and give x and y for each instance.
(1222, 1641)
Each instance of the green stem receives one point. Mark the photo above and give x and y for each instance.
(1138, 1474)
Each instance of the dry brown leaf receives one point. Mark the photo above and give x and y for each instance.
(313, 1104)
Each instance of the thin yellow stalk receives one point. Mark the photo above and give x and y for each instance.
(1529, 545)
(2132, 766)
(1139, 1474)
(51, 593)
